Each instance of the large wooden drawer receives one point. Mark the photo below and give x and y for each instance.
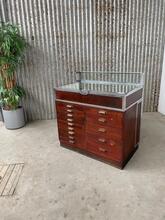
(105, 117)
(106, 132)
(108, 150)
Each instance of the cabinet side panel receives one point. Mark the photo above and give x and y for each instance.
(129, 132)
(138, 123)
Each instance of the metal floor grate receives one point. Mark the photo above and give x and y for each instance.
(9, 177)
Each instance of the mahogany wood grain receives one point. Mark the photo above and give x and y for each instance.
(138, 123)
(129, 130)
(107, 132)
(105, 150)
(134, 97)
(115, 102)
(111, 118)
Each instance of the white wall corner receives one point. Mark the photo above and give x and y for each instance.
(161, 107)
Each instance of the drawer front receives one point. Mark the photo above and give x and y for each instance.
(107, 149)
(105, 117)
(107, 132)
(70, 113)
(66, 106)
(71, 134)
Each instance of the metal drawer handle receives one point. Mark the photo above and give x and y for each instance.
(102, 129)
(69, 106)
(102, 112)
(70, 119)
(71, 137)
(72, 142)
(70, 124)
(70, 132)
(102, 140)
(69, 115)
(70, 129)
(102, 149)
(112, 143)
(102, 120)
(69, 110)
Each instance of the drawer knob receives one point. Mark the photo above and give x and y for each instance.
(102, 149)
(102, 112)
(70, 132)
(72, 142)
(102, 120)
(102, 140)
(69, 110)
(102, 130)
(70, 129)
(70, 119)
(69, 115)
(69, 106)
(70, 124)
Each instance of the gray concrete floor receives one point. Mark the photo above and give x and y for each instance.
(58, 183)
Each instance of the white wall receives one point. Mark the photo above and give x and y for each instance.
(161, 107)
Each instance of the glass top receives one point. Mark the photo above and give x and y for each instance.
(108, 83)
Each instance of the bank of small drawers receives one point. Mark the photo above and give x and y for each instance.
(70, 119)
(98, 131)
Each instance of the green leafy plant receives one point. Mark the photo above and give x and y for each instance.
(12, 48)
(10, 98)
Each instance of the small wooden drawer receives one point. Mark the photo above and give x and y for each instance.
(108, 149)
(75, 117)
(67, 130)
(70, 113)
(68, 107)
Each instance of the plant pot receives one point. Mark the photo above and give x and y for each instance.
(1, 116)
(14, 119)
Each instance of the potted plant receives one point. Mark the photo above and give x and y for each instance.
(13, 113)
(12, 48)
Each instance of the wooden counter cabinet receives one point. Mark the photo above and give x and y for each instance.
(106, 127)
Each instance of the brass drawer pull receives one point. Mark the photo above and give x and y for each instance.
(102, 112)
(102, 140)
(70, 119)
(69, 106)
(69, 115)
(70, 124)
(102, 149)
(102, 120)
(71, 137)
(70, 132)
(112, 143)
(70, 129)
(102, 129)
(72, 142)
(69, 110)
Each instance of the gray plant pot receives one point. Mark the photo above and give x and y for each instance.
(14, 119)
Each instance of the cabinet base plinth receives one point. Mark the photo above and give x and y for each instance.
(114, 163)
